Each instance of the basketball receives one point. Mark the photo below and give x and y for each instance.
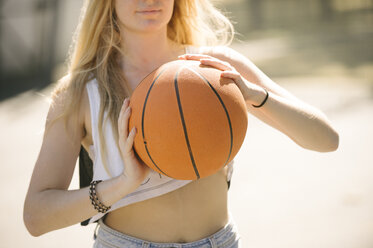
(190, 122)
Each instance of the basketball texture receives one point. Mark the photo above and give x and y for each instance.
(190, 121)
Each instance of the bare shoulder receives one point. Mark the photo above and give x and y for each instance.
(60, 99)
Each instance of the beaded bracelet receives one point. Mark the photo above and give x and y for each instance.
(264, 101)
(99, 206)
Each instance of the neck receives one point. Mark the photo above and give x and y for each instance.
(147, 51)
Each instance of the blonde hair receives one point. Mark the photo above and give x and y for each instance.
(97, 48)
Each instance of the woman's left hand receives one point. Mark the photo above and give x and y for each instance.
(304, 124)
(228, 70)
(252, 93)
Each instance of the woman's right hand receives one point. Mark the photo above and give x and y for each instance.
(135, 170)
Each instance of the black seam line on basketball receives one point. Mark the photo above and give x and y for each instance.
(142, 122)
(225, 109)
(184, 126)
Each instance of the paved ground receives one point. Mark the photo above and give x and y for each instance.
(281, 195)
(285, 196)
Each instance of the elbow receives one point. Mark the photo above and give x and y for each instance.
(333, 143)
(31, 225)
(328, 143)
(32, 222)
(322, 143)
(331, 139)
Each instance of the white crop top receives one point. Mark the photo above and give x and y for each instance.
(154, 185)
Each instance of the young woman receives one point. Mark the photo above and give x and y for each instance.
(119, 42)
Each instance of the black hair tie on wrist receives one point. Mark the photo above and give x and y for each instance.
(264, 101)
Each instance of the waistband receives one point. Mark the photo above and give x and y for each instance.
(228, 234)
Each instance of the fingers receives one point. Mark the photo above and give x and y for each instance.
(123, 118)
(231, 74)
(194, 56)
(208, 60)
(235, 76)
(126, 139)
(130, 139)
(227, 69)
(218, 64)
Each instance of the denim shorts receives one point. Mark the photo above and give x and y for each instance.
(227, 237)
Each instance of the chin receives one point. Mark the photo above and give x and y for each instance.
(152, 26)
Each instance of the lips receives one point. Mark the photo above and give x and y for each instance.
(149, 11)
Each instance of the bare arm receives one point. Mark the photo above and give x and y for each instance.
(49, 205)
(304, 124)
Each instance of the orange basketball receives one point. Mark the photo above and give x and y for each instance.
(190, 122)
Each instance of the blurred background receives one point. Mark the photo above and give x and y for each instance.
(281, 195)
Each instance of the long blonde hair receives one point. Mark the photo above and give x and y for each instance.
(97, 48)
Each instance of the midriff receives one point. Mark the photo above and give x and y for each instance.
(187, 214)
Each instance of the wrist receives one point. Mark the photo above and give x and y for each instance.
(112, 190)
(255, 96)
(126, 184)
(260, 104)
(95, 201)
